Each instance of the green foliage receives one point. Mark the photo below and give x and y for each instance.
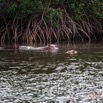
(77, 9)
(53, 14)
(29, 7)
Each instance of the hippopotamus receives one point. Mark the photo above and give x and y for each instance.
(71, 52)
(49, 47)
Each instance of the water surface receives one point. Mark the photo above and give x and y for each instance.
(44, 77)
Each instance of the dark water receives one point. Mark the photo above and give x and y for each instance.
(44, 77)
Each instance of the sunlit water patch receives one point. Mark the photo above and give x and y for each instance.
(66, 87)
(30, 77)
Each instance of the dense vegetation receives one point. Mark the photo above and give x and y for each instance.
(43, 21)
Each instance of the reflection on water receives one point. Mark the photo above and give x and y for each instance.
(41, 77)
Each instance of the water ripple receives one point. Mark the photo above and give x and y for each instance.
(37, 78)
(61, 87)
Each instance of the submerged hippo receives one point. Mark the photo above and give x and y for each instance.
(49, 47)
(71, 52)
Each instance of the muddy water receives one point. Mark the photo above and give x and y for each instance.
(44, 77)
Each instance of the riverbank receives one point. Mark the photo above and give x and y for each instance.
(50, 21)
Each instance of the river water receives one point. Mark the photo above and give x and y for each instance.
(45, 77)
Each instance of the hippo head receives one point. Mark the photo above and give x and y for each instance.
(52, 47)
